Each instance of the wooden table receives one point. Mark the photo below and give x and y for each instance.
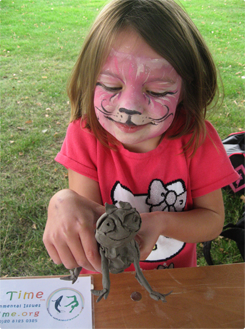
(203, 297)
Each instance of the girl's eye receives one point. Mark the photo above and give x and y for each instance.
(154, 94)
(110, 89)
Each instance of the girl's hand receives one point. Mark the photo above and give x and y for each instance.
(203, 223)
(69, 233)
(148, 234)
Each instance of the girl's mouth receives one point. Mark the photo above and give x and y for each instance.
(128, 127)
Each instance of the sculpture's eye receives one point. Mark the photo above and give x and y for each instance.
(107, 226)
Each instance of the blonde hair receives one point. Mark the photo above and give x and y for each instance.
(170, 32)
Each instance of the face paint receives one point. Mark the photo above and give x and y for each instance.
(136, 96)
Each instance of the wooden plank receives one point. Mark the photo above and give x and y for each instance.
(204, 297)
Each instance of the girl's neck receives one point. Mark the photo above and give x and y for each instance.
(145, 146)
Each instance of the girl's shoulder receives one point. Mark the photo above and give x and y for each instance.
(211, 136)
(79, 139)
(79, 126)
(211, 131)
(78, 129)
(211, 141)
(208, 136)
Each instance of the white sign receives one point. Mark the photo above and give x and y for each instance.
(45, 303)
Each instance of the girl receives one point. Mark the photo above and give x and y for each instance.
(139, 93)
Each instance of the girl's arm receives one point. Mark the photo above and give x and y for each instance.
(72, 215)
(84, 186)
(203, 223)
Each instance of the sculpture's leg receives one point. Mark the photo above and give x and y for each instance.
(142, 280)
(105, 278)
(73, 275)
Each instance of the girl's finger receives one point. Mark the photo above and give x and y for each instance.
(91, 250)
(66, 255)
(53, 253)
(77, 250)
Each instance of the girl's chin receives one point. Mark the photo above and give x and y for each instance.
(135, 138)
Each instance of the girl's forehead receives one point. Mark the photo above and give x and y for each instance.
(120, 61)
(130, 42)
(130, 52)
(121, 57)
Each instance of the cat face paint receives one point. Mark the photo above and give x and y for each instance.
(136, 97)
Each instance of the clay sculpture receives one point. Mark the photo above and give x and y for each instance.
(115, 232)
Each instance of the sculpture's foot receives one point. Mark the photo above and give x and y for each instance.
(73, 275)
(101, 293)
(158, 296)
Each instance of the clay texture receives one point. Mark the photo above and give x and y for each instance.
(115, 232)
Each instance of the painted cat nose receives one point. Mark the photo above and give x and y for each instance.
(128, 112)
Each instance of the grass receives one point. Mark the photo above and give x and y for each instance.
(221, 24)
(40, 44)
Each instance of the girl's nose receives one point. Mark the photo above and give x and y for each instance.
(132, 100)
(128, 111)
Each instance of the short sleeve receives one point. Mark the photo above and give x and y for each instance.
(210, 168)
(78, 151)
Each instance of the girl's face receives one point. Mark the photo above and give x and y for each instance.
(136, 94)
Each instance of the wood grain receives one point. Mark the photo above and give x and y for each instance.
(203, 297)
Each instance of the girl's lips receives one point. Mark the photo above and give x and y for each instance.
(128, 128)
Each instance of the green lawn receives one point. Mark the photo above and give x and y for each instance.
(40, 43)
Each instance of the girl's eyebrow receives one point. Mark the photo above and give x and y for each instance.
(164, 80)
(110, 74)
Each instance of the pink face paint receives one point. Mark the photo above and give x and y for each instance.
(136, 97)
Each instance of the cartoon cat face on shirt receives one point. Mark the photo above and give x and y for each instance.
(159, 197)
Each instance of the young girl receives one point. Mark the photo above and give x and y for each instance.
(139, 94)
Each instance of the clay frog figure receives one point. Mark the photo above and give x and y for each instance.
(115, 232)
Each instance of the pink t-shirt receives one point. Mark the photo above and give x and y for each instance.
(163, 179)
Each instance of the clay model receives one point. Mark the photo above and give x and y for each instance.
(115, 232)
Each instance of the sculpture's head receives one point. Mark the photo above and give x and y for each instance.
(117, 226)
